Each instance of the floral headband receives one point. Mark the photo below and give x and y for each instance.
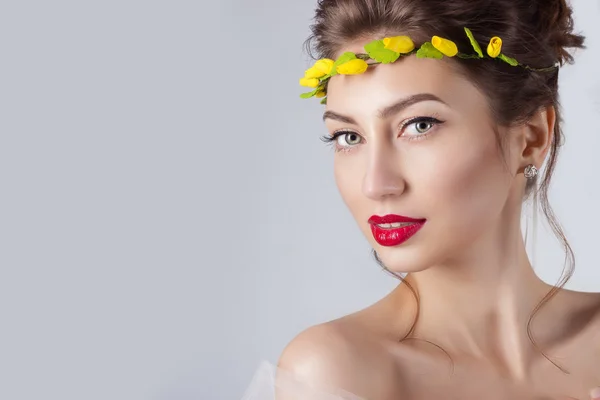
(388, 50)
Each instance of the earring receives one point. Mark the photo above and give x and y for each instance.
(531, 171)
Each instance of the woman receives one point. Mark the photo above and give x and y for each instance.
(434, 157)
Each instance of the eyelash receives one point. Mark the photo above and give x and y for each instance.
(330, 140)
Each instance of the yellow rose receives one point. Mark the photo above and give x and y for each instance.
(399, 44)
(352, 67)
(321, 68)
(309, 82)
(495, 47)
(447, 47)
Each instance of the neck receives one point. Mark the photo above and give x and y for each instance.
(482, 302)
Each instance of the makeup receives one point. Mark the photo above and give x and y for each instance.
(392, 230)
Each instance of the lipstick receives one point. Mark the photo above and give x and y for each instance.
(392, 230)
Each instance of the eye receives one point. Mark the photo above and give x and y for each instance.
(344, 140)
(422, 125)
(347, 138)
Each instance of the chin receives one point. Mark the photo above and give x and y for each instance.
(401, 259)
(407, 257)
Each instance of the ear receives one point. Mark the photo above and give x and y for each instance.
(536, 137)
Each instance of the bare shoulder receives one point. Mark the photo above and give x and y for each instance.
(323, 355)
(345, 353)
(592, 302)
(341, 347)
(584, 304)
(580, 312)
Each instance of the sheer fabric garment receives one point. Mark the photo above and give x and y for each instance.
(273, 383)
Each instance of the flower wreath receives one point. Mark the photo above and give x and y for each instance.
(388, 50)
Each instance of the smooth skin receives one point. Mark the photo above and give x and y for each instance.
(468, 263)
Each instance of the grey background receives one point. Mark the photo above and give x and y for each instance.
(168, 216)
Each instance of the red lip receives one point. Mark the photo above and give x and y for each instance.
(394, 236)
(391, 218)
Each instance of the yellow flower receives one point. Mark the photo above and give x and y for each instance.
(495, 47)
(320, 94)
(352, 67)
(309, 82)
(399, 44)
(447, 47)
(321, 68)
(324, 65)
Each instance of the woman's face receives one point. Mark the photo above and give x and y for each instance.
(449, 173)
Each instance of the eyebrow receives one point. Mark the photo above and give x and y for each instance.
(389, 110)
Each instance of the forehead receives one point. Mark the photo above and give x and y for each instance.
(383, 84)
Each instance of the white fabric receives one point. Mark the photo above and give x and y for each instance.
(269, 380)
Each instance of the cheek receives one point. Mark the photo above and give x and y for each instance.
(457, 183)
(348, 181)
(469, 185)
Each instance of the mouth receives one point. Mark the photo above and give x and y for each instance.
(392, 230)
(393, 219)
(394, 225)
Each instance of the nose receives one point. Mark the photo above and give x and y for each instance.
(383, 177)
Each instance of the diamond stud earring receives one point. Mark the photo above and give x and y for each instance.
(531, 171)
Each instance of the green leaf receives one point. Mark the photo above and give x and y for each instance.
(347, 56)
(377, 51)
(474, 43)
(508, 60)
(428, 51)
(308, 95)
(324, 101)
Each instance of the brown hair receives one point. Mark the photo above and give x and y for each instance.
(535, 32)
